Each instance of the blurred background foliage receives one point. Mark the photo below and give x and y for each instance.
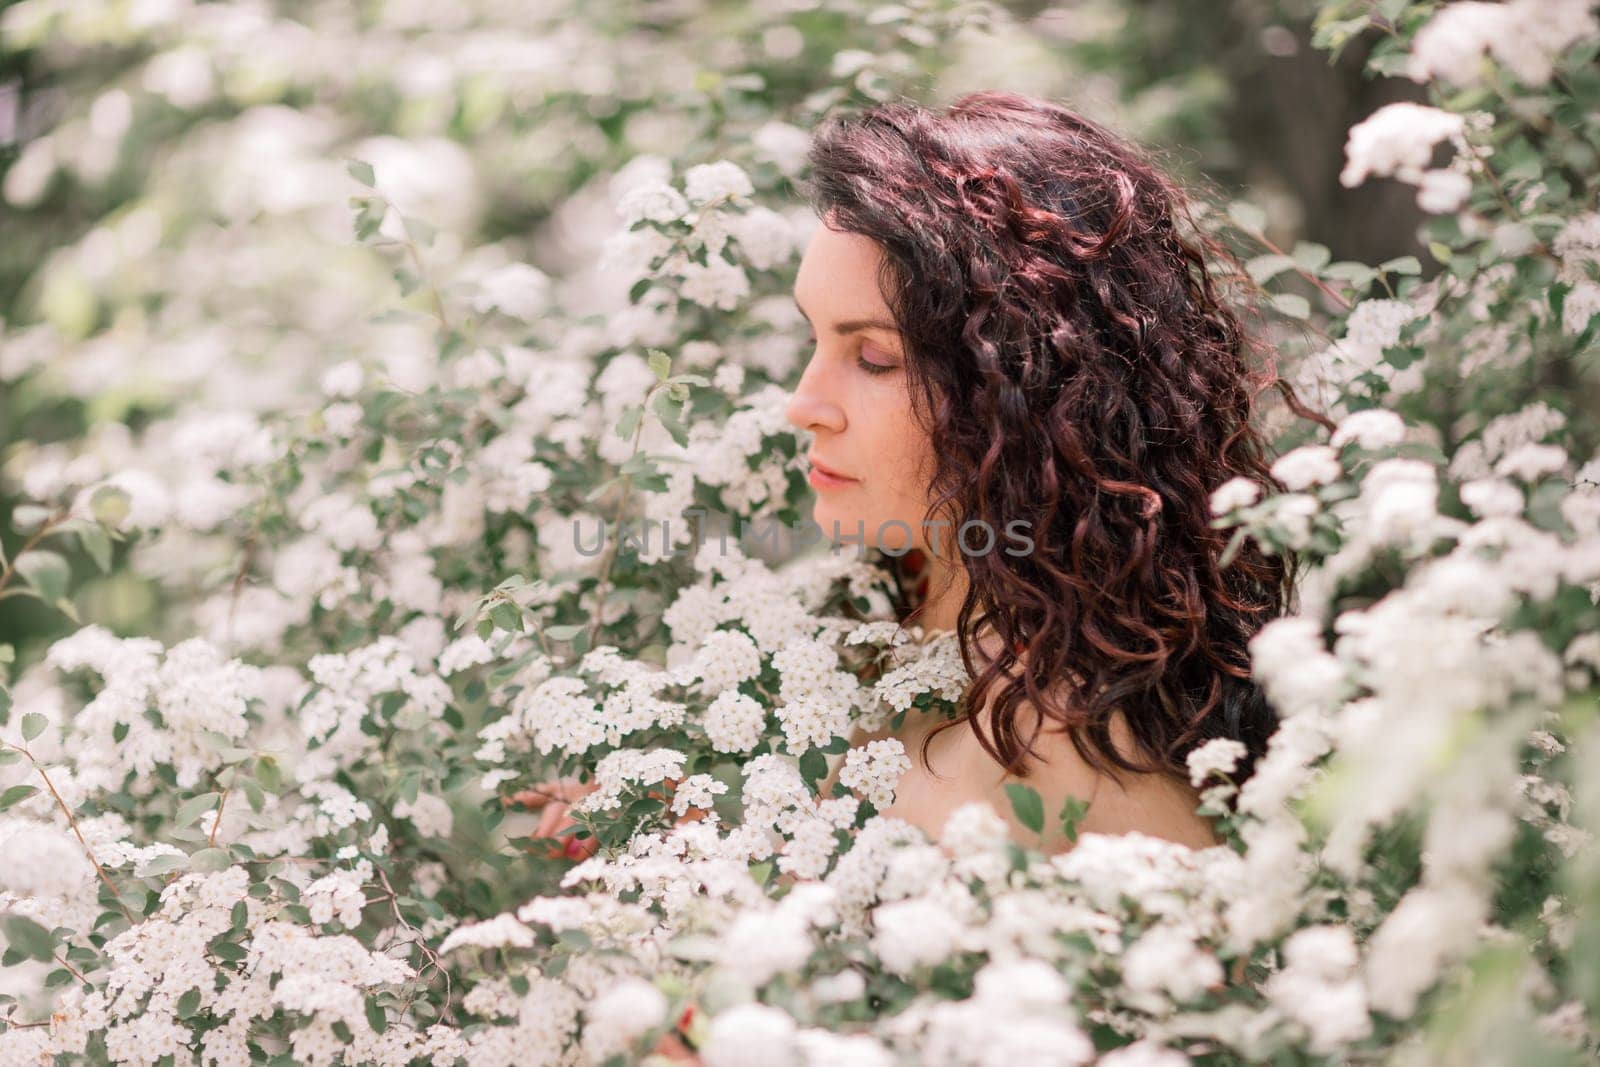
(1231, 92)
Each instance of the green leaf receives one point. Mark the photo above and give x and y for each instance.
(1263, 269)
(194, 807)
(211, 860)
(376, 1017)
(110, 504)
(629, 421)
(1028, 806)
(1356, 275)
(1247, 216)
(270, 774)
(189, 1003)
(45, 572)
(1440, 251)
(670, 416)
(164, 864)
(1292, 304)
(813, 766)
(96, 542)
(1313, 257)
(228, 951)
(26, 518)
(15, 795)
(505, 616)
(1072, 813)
(660, 363)
(565, 632)
(1402, 265)
(361, 171)
(33, 725)
(28, 937)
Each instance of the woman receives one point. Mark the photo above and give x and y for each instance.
(1013, 334)
(1011, 327)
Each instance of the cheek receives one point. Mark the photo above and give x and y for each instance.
(907, 460)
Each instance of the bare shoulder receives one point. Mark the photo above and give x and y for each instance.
(1159, 805)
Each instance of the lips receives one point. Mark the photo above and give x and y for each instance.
(829, 471)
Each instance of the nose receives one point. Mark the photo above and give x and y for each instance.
(814, 405)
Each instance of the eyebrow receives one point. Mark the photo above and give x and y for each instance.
(853, 325)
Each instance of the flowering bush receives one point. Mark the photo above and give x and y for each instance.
(290, 830)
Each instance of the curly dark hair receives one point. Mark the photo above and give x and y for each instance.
(1082, 369)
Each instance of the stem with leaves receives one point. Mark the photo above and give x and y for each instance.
(73, 822)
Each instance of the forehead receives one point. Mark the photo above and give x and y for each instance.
(839, 271)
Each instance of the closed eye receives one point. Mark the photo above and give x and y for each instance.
(866, 365)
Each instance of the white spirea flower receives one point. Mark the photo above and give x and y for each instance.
(1400, 497)
(1167, 960)
(1441, 191)
(726, 658)
(1372, 429)
(1581, 306)
(765, 237)
(430, 814)
(763, 943)
(1318, 987)
(1306, 466)
(653, 202)
(751, 1035)
(915, 933)
(1233, 494)
(1429, 927)
(1526, 36)
(336, 896)
(840, 988)
(1144, 1054)
(718, 284)
(149, 501)
(499, 932)
(1491, 497)
(874, 769)
(628, 1008)
(519, 290)
(1021, 986)
(782, 144)
(1218, 756)
(697, 791)
(723, 179)
(735, 722)
(1530, 462)
(1397, 141)
(343, 379)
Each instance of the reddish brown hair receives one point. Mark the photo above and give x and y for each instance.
(1074, 355)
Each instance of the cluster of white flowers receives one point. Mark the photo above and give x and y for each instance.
(200, 700)
(243, 815)
(874, 769)
(1398, 141)
(1525, 36)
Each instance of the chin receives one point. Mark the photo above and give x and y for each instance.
(826, 515)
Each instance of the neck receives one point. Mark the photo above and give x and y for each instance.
(940, 611)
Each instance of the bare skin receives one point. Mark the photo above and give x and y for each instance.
(961, 772)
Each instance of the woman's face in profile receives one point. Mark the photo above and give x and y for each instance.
(855, 401)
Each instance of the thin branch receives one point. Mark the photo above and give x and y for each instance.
(73, 822)
(40, 534)
(75, 972)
